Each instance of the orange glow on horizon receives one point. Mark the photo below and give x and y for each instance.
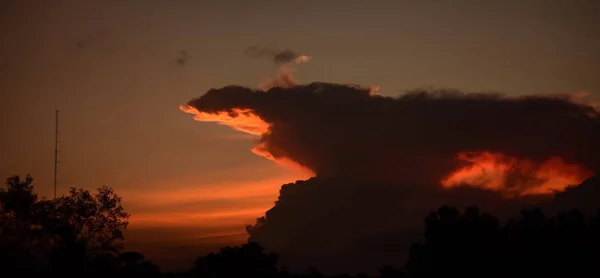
(216, 218)
(229, 190)
(224, 207)
(492, 171)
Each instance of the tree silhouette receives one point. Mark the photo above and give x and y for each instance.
(82, 234)
(18, 199)
(21, 234)
(453, 240)
(75, 233)
(135, 263)
(472, 244)
(87, 225)
(96, 221)
(390, 272)
(248, 260)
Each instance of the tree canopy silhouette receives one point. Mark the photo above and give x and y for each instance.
(472, 244)
(80, 232)
(248, 260)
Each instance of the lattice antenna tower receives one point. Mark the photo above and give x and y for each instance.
(56, 151)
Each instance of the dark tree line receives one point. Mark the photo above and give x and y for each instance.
(474, 244)
(82, 234)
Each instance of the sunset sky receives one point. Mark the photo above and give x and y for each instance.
(110, 67)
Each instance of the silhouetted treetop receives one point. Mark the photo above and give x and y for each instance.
(96, 220)
(82, 233)
(18, 198)
(472, 244)
(246, 260)
(70, 234)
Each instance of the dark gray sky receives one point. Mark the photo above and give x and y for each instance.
(110, 67)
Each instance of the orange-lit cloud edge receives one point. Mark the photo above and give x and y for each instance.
(485, 169)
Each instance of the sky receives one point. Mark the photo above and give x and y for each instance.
(111, 68)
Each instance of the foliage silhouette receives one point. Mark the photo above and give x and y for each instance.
(247, 260)
(472, 244)
(82, 234)
(136, 263)
(78, 233)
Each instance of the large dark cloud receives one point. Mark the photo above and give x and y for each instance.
(378, 161)
(343, 225)
(341, 131)
(584, 196)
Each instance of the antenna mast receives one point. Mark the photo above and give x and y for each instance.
(56, 152)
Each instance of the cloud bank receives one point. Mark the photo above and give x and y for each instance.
(380, 163)
(420, 137)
